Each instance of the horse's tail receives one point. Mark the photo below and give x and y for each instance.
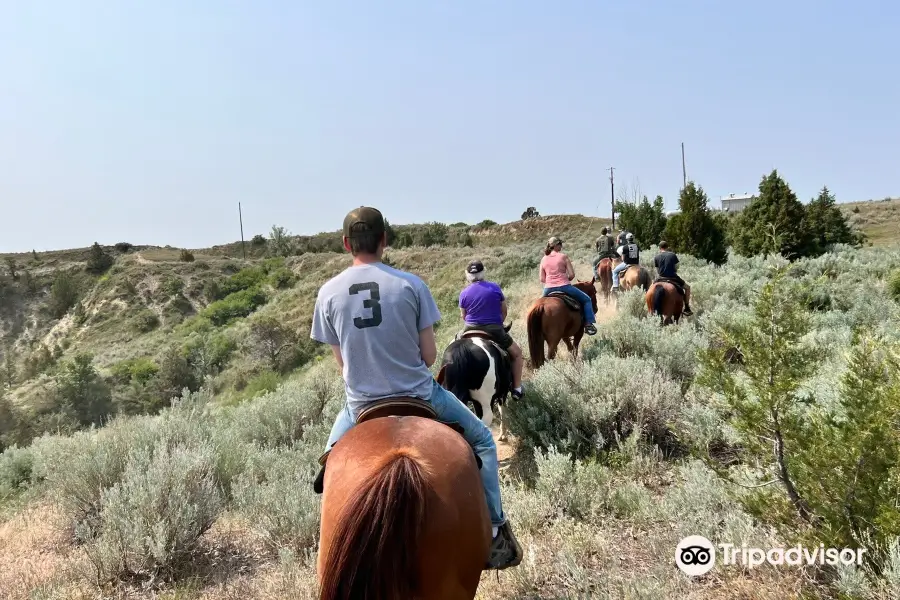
(659, 294)
(644, 280)
(376, 544)
(535, 328)
(462, 371)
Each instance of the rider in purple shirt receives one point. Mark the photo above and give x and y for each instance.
(483, 307)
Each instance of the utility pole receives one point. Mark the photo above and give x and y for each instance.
(612, 196)
(683, 170)
(241, 218)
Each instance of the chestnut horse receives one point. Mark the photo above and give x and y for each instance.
(664, 299)
(604, 276)
(403, 514)
(550, 319)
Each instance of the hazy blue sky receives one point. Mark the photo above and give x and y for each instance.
(147, 121)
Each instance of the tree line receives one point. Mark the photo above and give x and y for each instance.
(775, 222)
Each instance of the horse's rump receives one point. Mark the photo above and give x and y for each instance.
(677, 284)
(403, 512)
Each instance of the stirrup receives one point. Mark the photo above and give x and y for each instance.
(505, 542)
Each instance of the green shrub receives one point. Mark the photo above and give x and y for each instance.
(141, 370)
(63, 294)
(186, 256)
(234, 306)
(208, 352)
(265, 382)
(894, 286)
(282, 278)
(124, 247)
(146, 321)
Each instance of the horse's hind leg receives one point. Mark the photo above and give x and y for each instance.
(552, 345)
(502, 423)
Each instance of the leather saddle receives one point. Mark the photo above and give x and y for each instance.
(571, 302)
(476, 333)
(394, 408)
(674, 283)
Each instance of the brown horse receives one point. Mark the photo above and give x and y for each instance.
(604, 276)
(550, 319)
(403, 514)
(634, 276)
(664, 300)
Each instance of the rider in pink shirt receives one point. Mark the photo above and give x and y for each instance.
(557, 274)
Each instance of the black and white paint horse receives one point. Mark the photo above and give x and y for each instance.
(478, 372)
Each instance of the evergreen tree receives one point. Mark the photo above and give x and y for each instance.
(645, 220)
(776, 211)
(764, 402)
(99, 261)
(694, 230)
(827, 224)
(83, 390)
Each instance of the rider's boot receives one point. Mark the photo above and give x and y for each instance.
(505, 550)
(319, 483)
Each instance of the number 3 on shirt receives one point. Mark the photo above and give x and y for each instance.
(370, 302)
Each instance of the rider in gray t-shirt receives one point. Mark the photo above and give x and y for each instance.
(379, 322)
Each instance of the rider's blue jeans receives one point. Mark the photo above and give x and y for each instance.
(580, 296)
(615, 272)
(450, 409)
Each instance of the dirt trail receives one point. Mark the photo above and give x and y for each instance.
(506, 450)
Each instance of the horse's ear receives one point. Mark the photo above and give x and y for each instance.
(593, 279)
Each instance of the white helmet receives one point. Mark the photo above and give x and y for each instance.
(629, 237)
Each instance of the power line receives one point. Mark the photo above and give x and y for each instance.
(683, 169)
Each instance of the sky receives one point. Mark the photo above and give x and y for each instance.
(148, 122)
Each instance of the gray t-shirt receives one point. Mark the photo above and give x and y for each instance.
(374, 313)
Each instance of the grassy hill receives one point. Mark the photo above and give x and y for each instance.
(613, 461)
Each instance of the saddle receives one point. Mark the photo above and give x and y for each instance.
(673, 282)
(571, 302)
(390, 408)
(476, 333)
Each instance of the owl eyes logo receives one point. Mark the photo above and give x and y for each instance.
(695, 555)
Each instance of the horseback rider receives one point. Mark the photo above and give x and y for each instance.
(631, 255)
(666, 267)
(379, 322)
(606, 248)
(620, 240)
(483, 307)
(557, 274)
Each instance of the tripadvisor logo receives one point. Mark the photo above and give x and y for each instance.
(695, 555)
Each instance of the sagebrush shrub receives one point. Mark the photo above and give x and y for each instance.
(16, 466)
(275, 495)
(583, 408)
(151, 521)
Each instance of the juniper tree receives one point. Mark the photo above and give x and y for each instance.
(693, 230)
(857, 446)
(762, 394)
(776, 208)
(644, 219)
(827, 224)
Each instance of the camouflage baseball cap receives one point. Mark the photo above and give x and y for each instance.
(553, 241)
(370, 217)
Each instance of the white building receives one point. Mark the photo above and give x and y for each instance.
(736, 202)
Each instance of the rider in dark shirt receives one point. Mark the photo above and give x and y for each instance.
(666, 267)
